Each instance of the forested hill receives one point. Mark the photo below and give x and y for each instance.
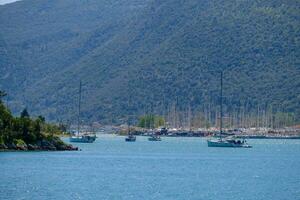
(142, 56)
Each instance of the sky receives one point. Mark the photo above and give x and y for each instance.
(7, 1)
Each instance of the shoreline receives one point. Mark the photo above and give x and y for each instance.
(290, 137)
(40, 150)
(13, 150)
(46, 144)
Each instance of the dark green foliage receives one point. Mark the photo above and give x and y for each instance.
(2, 94)
(6, 124)
(163, 52)
(37, 128)
(24, 113)
(63, 127)
(19, 130)
(41, 118)
(151, 121)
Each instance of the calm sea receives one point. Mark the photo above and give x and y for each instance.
(175, 168)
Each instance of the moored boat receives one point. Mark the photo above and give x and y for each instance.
(225, 141)
(81, 137)
(130, 138)
(154, 138)
(228, 142)
(85, 138)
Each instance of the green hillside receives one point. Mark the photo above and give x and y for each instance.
(136, 57)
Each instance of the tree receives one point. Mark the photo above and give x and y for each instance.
(37, 128)
(63, 127)
(2, 94)
(24, 130)
(25, 113)
(151, 121)
(42, 119)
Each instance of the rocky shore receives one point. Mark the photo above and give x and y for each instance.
(53, 143)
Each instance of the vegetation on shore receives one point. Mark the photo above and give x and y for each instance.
(151, 121)
(26, 133)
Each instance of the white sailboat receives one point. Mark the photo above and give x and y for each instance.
(227, 141)
(81, 137)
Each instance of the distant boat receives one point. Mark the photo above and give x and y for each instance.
(227, 141)
(154, 137)
(130, 138)
(82, 137)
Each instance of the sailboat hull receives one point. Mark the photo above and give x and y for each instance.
(130, 138)
(153, 139)
(83, 139)
(224, 143)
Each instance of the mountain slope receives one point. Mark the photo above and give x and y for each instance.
(152, 55)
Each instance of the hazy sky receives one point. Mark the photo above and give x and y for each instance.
(7, 1)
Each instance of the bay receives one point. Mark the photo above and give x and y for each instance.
(175, 168)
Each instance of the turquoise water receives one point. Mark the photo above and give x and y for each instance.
(175, 168)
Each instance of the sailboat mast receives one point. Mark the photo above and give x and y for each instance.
(128, 117)
(79, 107)
(128, 106)
(221, 103)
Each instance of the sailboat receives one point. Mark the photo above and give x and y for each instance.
(154, 137)
(226, 141)
(82, 137)
(130, 137)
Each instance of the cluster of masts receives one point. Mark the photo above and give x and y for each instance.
(238, 117)
(221, 142)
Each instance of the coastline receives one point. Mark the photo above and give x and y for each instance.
(49, 144)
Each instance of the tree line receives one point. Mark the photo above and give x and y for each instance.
(25, 130)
